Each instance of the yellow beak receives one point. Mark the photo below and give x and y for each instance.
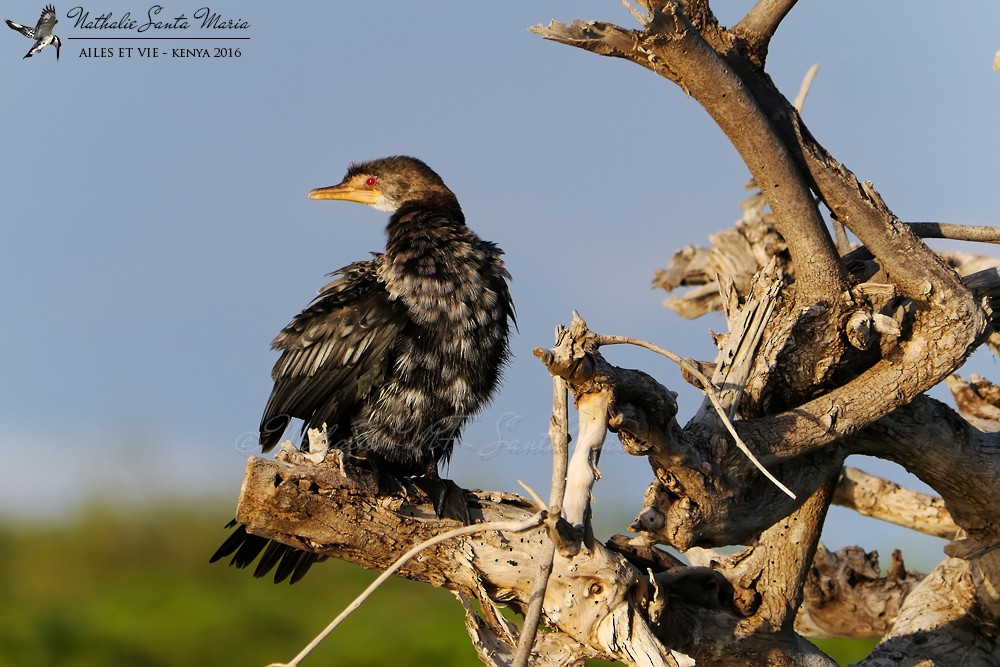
(347, 193)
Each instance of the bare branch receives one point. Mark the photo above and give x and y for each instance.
(559, 437)
(737, 253)
(938, 347)
(690, 503)
(698, 475)
(959, 461)
(977, 400)
(493, 645)
(944, 230)
(643, 19)
(759, 25)
(593, 597)
(673, 48)
(709, 390)
(792, 542)
(950, 327)
(840, 237)
(753, 603)
(881, 499)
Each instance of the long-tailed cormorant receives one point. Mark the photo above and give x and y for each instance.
(397, 353)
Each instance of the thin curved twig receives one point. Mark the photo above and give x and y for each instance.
(558, 435)
(533, 521)
(534, 494)
(709, 390)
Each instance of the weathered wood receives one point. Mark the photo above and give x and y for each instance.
(594, 595)
(948, 619)
(977, 400)
(833, 360)
(845, 596)
(559, 437)
(595, 598)
(881, 499)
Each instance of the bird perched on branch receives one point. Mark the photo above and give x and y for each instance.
(397, 353)
(41, 33)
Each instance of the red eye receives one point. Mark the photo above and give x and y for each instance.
(371, 181)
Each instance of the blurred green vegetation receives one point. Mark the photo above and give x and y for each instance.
(136, 589)
(109, 587)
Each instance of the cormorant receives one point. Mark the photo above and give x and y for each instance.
(397, 353)
(41, 33)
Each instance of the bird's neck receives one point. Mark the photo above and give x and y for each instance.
(433, 205)
(434, 264)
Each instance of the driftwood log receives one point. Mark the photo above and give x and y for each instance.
(828, 353)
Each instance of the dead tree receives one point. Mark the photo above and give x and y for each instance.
(829, 352)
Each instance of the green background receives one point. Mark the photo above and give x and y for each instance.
(106, 588)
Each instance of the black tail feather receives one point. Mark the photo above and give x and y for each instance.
(232, 543)
(305, 562)
(273, 554)
(245, 547)
(289, 562)
(249, 550)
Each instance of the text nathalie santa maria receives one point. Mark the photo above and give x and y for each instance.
(156, 18)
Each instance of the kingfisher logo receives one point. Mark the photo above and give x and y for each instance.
(41, 33)
(159, 33)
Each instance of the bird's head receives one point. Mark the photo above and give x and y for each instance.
(388, 184)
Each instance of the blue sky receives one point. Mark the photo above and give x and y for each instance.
(157, 232)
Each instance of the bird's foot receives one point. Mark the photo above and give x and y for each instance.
(448, 498)
(388, 483)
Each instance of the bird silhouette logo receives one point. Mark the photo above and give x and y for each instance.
(41, 33)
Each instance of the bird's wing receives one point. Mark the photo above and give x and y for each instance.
(39, 45)
(23, 29)
(500, 278)
(46, 22)
(334, 353)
